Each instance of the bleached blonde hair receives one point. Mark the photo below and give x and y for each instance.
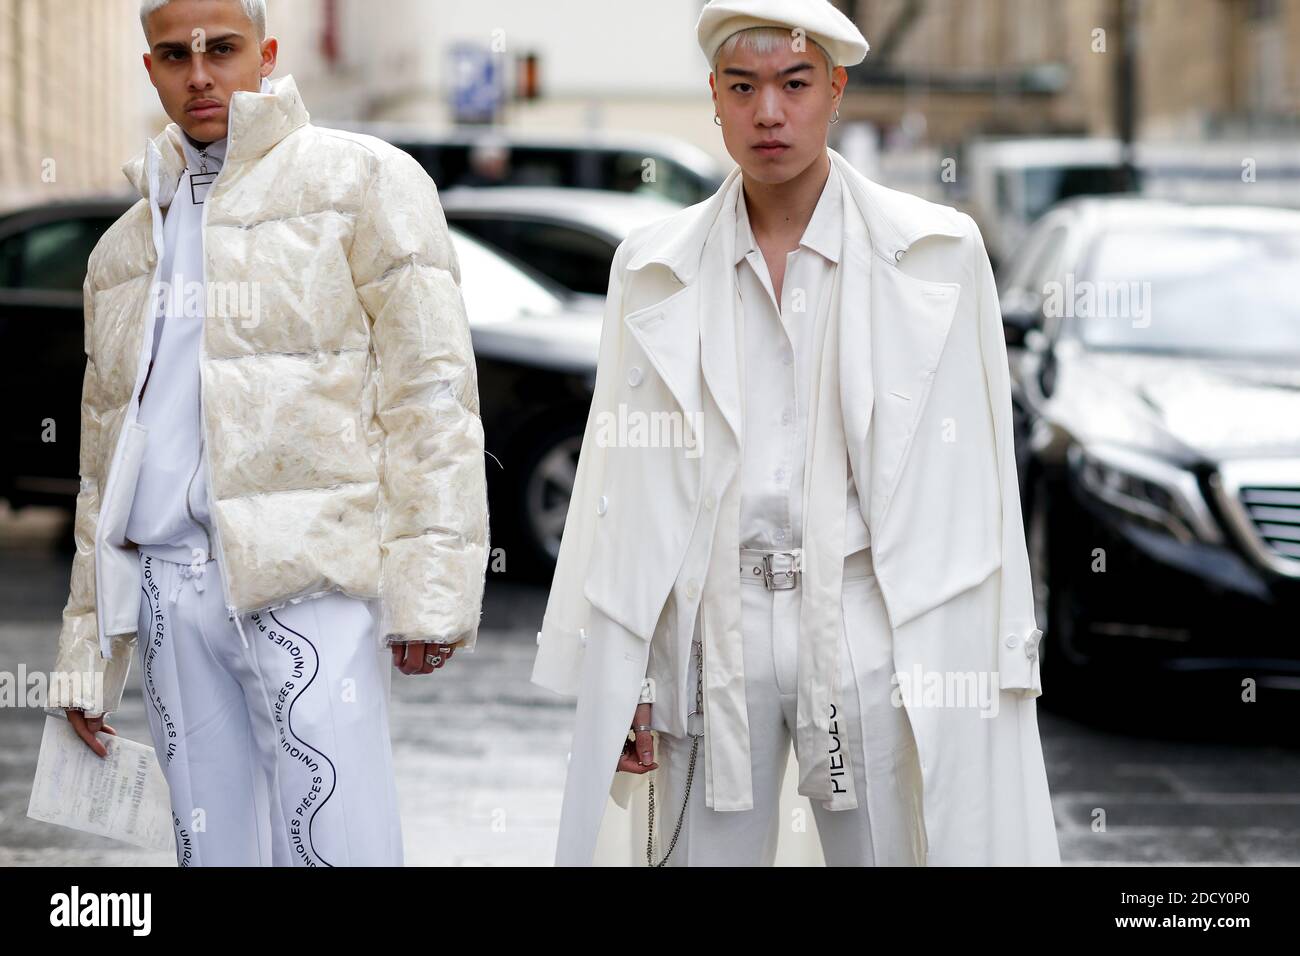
(256, 10)
(766, 40)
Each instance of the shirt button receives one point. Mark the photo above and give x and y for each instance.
(602, 505)
(779, 475)
(709, 502)
(634, 376)
(1012, 640)
(693, 590)
(780, 535)
(785, 417)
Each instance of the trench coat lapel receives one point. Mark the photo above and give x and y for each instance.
(689, 337)
(890, 349)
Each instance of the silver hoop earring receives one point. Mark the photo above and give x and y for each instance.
(717, 120)
(836, 118)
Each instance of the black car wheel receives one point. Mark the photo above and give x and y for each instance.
(542, 495)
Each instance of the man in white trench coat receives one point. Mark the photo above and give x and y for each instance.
(796, 518)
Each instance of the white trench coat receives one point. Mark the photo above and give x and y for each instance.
(939, 495)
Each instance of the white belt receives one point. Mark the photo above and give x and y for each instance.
(782, 570)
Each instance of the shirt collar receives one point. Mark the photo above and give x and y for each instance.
(824, 234)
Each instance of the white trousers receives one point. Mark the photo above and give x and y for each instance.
(886, 774)
(277, 753)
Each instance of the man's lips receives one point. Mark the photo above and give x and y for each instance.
(770, 149)
(203, 108)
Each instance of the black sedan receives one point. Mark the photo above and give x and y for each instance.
(1156, 356)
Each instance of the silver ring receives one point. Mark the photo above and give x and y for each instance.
(432, 659)
(640, 727)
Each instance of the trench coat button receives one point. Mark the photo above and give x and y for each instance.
(634, 376)
(710, 502)
(692, 590)
(602, 505)
(1012, 640)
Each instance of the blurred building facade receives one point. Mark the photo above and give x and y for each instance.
(943, 70)
(75, 102)
(72, 88)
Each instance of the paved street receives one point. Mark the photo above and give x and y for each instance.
(480, 752)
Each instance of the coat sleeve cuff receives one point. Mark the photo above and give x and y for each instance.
(464, 641)
(559, 658)
(1018, 659)
(97, 689)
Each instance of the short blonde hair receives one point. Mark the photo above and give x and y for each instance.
(256, 10)
(765, 40)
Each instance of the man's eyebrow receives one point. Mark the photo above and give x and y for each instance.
(737, 71)
(209, 41)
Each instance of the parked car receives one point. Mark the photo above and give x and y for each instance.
(569, 235)
(535, 353)
(680, 173)
(1156, 360)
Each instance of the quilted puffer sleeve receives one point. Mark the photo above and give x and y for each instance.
(82, 678)
(433, 486)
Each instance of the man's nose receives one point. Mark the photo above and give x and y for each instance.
(769, 111)
(200, 78)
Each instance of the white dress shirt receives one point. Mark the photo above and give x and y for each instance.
(778, 363)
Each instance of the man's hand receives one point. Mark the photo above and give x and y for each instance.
(410, 658)
(638, 755)
(87, 727)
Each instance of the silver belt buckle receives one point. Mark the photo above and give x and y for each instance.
(782, 579)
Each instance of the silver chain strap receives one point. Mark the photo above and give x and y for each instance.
(698, 713)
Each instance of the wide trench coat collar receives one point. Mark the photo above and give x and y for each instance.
(258, 122)
(895, 220)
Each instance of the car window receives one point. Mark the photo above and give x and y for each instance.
(572, 257)
(495, 289)
(50, 255)
(1224, 291)
(632, 173)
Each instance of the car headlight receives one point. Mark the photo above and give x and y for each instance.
(1155, 493)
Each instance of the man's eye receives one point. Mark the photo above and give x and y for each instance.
(174, 55)
(737, 87)
(800, 82)
(223, 48)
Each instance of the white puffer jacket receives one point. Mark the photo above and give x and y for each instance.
(339, 391)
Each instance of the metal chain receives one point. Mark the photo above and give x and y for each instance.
(690, 771)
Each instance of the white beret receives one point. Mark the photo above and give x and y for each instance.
(818, 19)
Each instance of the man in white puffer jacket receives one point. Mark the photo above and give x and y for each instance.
(281, 457)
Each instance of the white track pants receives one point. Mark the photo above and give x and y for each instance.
(878, 736)
(277, 753)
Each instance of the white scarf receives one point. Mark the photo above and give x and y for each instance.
(728, 777)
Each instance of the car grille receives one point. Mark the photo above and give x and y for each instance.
(1262, 498)
(1275, 513)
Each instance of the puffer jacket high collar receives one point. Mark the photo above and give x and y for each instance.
(258, 122)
